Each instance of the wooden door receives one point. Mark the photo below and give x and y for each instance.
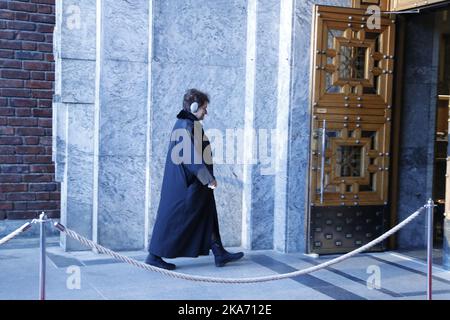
(352, 75)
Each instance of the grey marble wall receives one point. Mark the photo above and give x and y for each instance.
(417, 126)
(121, 75)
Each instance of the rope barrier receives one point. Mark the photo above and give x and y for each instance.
(14, 234)
(136, 263)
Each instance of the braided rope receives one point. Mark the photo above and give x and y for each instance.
(14, 234)
(173, 274)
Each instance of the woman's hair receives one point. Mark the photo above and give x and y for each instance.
(194, 95)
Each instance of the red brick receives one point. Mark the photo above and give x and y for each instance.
(22, 16)
(15, 169)
(9, 44)
(11, 160)
(23, 122)
(7, 150)
(42, 196)
(45, 123)
(12, 64)
(43, 159)
(24, 102)
(29, 55)
(26, 86)
(31, 36)
(53, 214)
(45, 47)
(23, 112)
(4, 187)
(10, 178)
(7, 34)
(30, 150)
(6, 112)
(34, 84)
(38, 75)
(21, 197)
(20, 25)
(15, 74)
(43, 103)
(11, 83)
(46, 141)
(31, 46)
(21, 215)
(43, 18)
(37, 178)
(45, 8)
(8, 15)
(42, 94)
(49, 168)
(42, 113)
(41, 205)
(55, 196)
(29, 159)
(6, 54)
(23, 93)
(22, 6)
(31, 140)
(6, 131)
(10, 141)
(19, 205)
(45, 28)
(6, 206)
(40, 187)
(50, 76)
(50, 2)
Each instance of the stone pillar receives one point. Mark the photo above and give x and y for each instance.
(121, 123)
(260, 121)
(73, 113)
(415, 179)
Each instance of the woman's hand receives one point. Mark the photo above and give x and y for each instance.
(213, 184)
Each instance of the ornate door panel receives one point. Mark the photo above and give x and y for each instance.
(351, 123)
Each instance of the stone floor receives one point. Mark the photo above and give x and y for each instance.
(401, 277)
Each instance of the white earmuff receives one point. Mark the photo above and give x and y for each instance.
(194, 107)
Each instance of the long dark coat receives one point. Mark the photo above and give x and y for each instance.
(187, 213)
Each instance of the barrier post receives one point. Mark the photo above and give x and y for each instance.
(42, 263)
(430, 211)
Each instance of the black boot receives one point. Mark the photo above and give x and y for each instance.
(159, 262)
(222, 256)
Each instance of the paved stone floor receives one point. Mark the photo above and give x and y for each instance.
(100, 277)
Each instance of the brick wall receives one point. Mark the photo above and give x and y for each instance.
(27, 181)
